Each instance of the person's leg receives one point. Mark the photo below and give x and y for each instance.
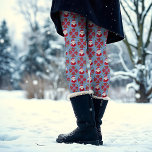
(99, 71)
(74, 29)
(99, 68)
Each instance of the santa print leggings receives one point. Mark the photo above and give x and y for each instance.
(82, 38)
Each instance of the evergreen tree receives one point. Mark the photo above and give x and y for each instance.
(6, 57)
(48, 35)
(54, 55)
(40, 52)
(33, 62)
(44, 57)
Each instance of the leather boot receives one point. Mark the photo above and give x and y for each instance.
(86, 132)
(99, 107)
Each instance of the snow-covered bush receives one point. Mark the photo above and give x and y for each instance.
(34, 86)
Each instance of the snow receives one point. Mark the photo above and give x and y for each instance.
(137, 95)
(35, 82)
(132, 85)
(127, 127)
(1, 40)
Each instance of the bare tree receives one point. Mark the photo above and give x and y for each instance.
(31, 9)
(138, 17)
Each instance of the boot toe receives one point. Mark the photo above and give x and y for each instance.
(61, 135)
(60, 139)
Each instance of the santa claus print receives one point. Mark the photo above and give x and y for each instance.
(81, 71)
(90, 61)
(65, 32)
(104, 95)
(66, 70)
(98, 71)
(99, 34)
(73, 44)
(73, 61)
(97, 87)
(66, 14)
(105, 78)
(73, 23)
(106, 61)
(73, 79)
(98, 52)
(90, 43)
(81, 88)
(78, 76)
(81, 33)
(81, 52)
(90, 24)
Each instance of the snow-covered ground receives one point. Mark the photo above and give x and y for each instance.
(127, 127)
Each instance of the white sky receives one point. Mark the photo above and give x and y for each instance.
(16, 22)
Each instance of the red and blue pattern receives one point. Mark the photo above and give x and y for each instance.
(84, 38)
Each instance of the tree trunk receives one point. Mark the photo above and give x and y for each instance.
(141, 96)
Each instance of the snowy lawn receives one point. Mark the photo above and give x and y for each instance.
(26, 123)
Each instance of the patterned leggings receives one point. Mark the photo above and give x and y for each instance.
(84, 38)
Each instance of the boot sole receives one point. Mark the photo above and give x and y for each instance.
(96, 142)
(100, 142)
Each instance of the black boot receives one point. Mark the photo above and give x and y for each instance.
(86, 132)
(99, 107)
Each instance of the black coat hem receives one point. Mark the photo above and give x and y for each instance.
(112, 35)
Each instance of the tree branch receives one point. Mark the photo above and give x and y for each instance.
(129, 6)
(149, 91)
(146, 12)
(129, 19)
(135, 47)
(128, 74)
(129, 50)
(148, 52)
(121, 58)
(149, 35)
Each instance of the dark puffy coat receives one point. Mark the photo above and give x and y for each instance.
(105, 13)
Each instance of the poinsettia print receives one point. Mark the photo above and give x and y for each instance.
(99, 67)
(74, 27)
(85, 39)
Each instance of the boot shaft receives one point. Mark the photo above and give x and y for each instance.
(99, 107)
(84, 110)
